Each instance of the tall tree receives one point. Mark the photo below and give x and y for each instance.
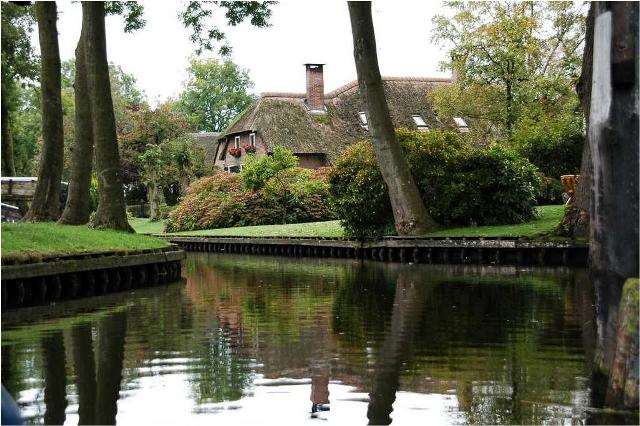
(76, 211)
(409, 212)
(46, 200)
(214, 93)
(511, 60)
(111, 211)
(18, 64)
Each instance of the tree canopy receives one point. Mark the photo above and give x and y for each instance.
(511, 60)
(214, 93)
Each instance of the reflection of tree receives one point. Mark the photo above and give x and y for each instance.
(55, 377)
(111, 337)
(84, 365)
(407, 308)
(222, 374)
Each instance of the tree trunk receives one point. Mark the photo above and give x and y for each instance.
(46, 200)
(576, 219)
(8, 168)
(409, 212)
(76, 211)
(111, 211)
(154, 202)
(613, 140)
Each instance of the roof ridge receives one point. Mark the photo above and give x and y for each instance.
(340, 90)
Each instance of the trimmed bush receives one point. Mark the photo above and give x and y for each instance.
(460, 184)
(268, 191)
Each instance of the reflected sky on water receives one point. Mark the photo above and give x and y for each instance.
(250, 339)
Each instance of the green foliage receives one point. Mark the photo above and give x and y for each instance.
(214, 94)
(258, 170)
(132, 12)
(273, 190)
(554, 146)
(512, 59)
(459, 183)
(206, 34)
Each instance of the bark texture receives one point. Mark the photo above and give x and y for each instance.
(76, 211)
(46, 200)
(111, 211)
(613, 141)
(409, 212)
(576, 219)
(8, 167)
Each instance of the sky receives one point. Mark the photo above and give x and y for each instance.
(301, 32)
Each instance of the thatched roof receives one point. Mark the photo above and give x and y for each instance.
(208, 141)
(283, 119)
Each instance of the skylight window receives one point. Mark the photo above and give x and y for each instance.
(462, 125)
(422, 125)
(363, 119)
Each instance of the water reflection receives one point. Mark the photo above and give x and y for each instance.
(280, 340)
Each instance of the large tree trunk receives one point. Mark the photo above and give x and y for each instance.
(409, 212)
(46, 200)
(153, 192)
(8, 168)
(576, 219)
(613, 140)
(76, 211)
(111, 211)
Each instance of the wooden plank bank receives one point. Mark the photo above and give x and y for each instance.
(500, 251)
(74, 276)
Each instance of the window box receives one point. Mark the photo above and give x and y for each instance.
(236, 152)
(249, 149)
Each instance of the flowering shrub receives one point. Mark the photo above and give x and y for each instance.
(249, 149)
(276, 192)
(236, 152)
(460, 184)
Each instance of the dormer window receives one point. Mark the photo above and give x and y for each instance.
(363, 120)
(462, 125)
(252, 139)
(420, 123)
(236, 142)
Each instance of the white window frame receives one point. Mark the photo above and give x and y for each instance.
(419, 122)
(252, 139)
(236, 142)
(364, 121)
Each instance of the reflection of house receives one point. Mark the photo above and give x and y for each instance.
(318, 126)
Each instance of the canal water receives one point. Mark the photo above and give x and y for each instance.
(258, 340)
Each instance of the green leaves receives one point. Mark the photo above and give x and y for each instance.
(214, 94)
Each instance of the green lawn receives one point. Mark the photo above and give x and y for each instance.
(37, 239)
(549, 218)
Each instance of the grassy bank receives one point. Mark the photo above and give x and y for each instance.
(548, 219)
(39, 239)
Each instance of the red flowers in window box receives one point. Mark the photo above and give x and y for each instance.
(248, 148)
(236, 152)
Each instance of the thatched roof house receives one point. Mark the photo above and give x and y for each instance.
(317, 126)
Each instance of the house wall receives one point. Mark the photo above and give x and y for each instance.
(229, 160)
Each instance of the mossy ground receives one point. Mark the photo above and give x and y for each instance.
(47, 239)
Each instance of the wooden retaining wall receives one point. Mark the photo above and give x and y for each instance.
(500, 251)
(67, 277)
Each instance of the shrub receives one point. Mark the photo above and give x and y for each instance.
(269, 191)
(460, 184)
(257, 170)
(550, 191)
(555, 147)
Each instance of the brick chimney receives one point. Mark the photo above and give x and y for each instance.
(315, 87)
